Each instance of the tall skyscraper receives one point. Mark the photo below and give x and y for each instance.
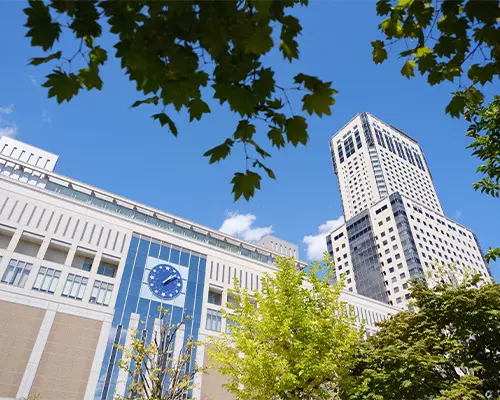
(395, 227)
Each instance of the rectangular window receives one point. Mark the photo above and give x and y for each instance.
(419, 162)
(82, 261)
(358, 139)
(349, 147)
(410, 157)
(107, 269)
(399, 148)
(17, 273)
(390, 144)
(47, 280)
(341, 154)
(214, 298)
(380, 140)
(101, 293)
(214, 320)
(75, 286)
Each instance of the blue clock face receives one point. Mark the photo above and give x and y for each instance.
(165, 281)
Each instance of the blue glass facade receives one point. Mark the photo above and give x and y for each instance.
(131, 299)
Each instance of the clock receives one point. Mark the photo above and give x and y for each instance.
(165, 281)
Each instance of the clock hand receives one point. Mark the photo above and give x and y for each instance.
(170, 278)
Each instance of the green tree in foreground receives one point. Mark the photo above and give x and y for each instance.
(455, 41)
(447, 350)
(292, 340)
(173, 50)
(157, 372)
(484, 129)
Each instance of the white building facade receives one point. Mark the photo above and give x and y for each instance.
(395, 227)
(81, 268)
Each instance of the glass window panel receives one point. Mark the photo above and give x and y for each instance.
(53, 284)
(9, 273)
(107, 298)
(67, 288)
(38, 280)
(100, 297)
(46, 283)
(74, 289)
(81, 290)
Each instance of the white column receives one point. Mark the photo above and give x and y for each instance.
(121, 382)
(95, 370)
(36, 353)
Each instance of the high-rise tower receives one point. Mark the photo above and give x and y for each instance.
(395, 227)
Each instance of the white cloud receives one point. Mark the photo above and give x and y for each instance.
(240, 225)
(7, 110)
(8, 130)
(316, 244)
(46, 117)
(457, 215)
(33, 80)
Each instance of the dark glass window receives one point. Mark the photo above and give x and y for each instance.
(410, 157)
(341, 154)
(400, 150)
(380, 140)
(390, 144)
(349, 147)
(358, 139)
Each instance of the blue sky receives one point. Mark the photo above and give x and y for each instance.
(103, 142)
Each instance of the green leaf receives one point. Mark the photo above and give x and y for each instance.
(296, 130)
(275, 104)
(456, 106)
(383, 7)
(90, 78)
(408, 68)
(264, 86)
(260, 150)
(238, 96)
(319, 102)
(492, 254)
(62, 86)
(404, 3)
(244, 131)
(289, 31)
(276, 137)
(269, 171)
(482, 74)
(150, 100)
(379, 52)
(42, 60)
(42, 30)
(310, 82)
(244, 184)
(445, 46)
(220, 152)
(197, 108)
(422, 51)
(164, 119)
(98, 55)
(85, 22)
(260, 42)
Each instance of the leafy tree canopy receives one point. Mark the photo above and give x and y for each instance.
(292, 340)
(484, 129)
(455, 41)
(173, 50)
(444, 41)
(447, 350)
